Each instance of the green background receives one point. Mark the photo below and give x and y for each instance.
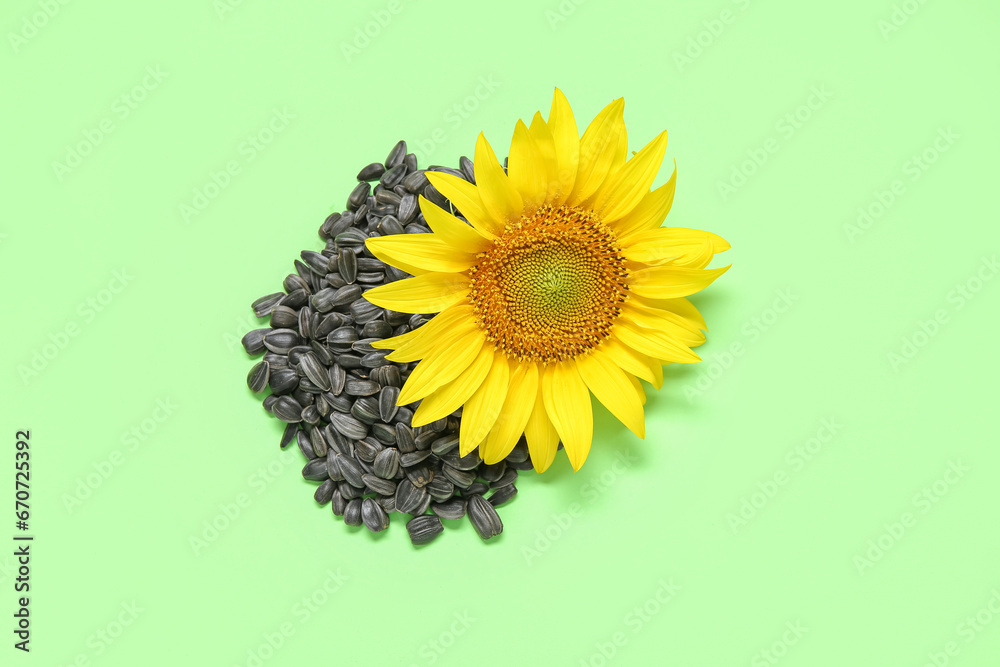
(815, 305)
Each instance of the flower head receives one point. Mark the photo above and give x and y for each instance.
(553, 281)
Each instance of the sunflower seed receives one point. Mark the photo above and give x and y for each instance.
(404, 438)
(450, 509)
(304, 445)
(349, 361)
(358, 195)
(348, 491)
(386, 404)
(283, 381)
(367, 450)
(388, 503)
(440, 488)
(413, 458)
(461, 478)
(502, 495)
(352, 513)
(310, 414)
(324, 492)
(347, 265)
(410, 161)
(263, 305)
(408, 209)
(304, 322)
(258, 377)
(384, 433)
(356, 387)
(416, 182)
(281, 341)
(297, 299)
(340, 403)
(351, 471)
(379, 485)
(408, 497)
(323, 354)
(338, 504)
(318, 441)
(468, 169)
(468, 462)
(389, 226)
(253, 341)
(315, 371)
(317, 262)
(348, 294)
(475, 489)
(352, 238)
(287, 409)
(484, 518)
(288, 434)
(374, 516)
(505, 479)
(419, 475)
(444, 444)
(396, 155)
(519, 454)
(348, 426)
(423, 529)
(292, 283)
(315, 470)
(276, 361)
(333, 466)
(387, 376)
(342, 338)
(386, 464)
(376, 359)
(365, 410)
(372, 172)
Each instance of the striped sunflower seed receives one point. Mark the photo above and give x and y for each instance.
(351, 470)
(348, 426)
(386, 464)
(413, 458)
(450, 509)
(281, 340)
(347, 265)
(352, 513)
(263, 306)
(253, 341)
(484, 518)
(423, 529)
(258, 377)
(387, 404)
(338, 504)
(506, 479)
(315, 470)
(366, 450)
(502, 495)
(315, 371)
(287, 409)
(378, 485)
(373, 516)
(358, 387)
(324, 492)
(288, 434)
(408, 497)
(372, 172)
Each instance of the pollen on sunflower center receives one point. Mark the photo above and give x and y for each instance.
(551, 287)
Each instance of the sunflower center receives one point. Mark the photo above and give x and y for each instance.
(551, 287)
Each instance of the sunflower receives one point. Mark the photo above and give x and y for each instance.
(560, 284)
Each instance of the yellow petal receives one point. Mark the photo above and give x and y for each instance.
(540, 434)
(514, 414)
(452, 396)
(465, 197)
(421, 342)
(442, 367)
(653, 343)
(632, 361)
(612, 388)
(681, 307)
(638, 388)
(598, 149)
(525, 169)
(650, 211)
(546, 152)
(657, 369)
(451, 230)
(655, 246)
(624, 190)
(500, 200)
(426, 251)
(483, 407)
(429, 293)
(670, 282)
(663, 321)
(567, 403)
(566, 141)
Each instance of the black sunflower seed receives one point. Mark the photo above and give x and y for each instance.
(288, 434)
(374, 516)
(408, 497)
(348, 426)
(287, 409)
(338, 504)
(378, 485)
(372, 172)
(281, 340)
(396, 155)
(253, 341)
(315, 371)
(450, 509)
(386, 464)
(324, 492)
(506, 479)
(258, 377)
(351, 470)
(283, 381)
(315, 470)
(502, 495)
(352, 513)
(484, 518)
(264, 305)
(423, 529)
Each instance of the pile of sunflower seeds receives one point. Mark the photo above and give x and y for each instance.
(338, 394)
